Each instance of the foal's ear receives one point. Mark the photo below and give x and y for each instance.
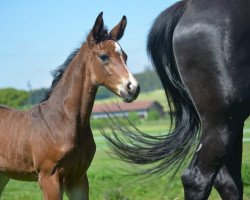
(118, 31)
(98, 29)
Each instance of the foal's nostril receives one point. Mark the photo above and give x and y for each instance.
(129, 86)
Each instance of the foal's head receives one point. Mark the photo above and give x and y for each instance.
(107, 60)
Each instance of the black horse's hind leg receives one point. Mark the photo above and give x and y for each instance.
(228, 181)
(3, 181)
(218, 136)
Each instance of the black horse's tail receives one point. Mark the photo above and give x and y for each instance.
(166, 151)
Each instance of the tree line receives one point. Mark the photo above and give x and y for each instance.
(12, 97)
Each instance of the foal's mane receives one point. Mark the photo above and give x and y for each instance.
(58, 73)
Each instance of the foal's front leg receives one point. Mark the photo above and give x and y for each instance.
(78, 189)
(51, 186)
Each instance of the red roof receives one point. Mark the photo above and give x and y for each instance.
(118, 106)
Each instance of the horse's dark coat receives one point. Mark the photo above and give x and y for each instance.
(201, 52)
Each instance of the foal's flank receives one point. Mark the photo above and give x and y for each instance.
(52, 143)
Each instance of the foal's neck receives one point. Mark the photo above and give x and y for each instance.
(75, 94)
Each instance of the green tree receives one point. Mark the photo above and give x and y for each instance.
(37, 95)
(13, 97)
(148, 80)
(153, 115)
(103, 93)
(133, 117)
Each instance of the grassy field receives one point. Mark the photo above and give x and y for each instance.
(109, 182)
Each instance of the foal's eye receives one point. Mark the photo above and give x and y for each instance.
(104, 57)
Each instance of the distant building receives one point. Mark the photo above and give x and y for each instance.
(120, 109)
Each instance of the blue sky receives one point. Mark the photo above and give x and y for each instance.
(37, 36)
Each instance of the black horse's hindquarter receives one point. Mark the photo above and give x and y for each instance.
(211, 45)
(201, 52)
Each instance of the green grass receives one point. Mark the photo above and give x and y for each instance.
(138, 189)
(109, 182)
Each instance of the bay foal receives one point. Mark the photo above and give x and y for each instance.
(52, 142)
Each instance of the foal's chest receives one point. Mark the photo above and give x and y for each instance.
(78, 159)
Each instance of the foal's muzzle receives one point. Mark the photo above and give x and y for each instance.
(130, 93)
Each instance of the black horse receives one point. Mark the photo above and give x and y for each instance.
(201, 52)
